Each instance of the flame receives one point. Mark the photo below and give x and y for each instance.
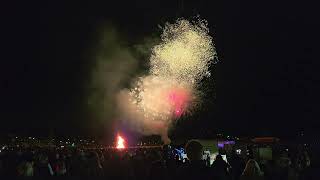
(120, 142)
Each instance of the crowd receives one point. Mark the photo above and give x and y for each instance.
(152, 163)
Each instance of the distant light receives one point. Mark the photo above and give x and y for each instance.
(287, 149)
(220, 145)
(16, 137)
(238, 151)
(29, 137)
(62, 146)
(33, 138)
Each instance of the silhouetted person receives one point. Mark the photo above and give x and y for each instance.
(158, 167)
(43, 167)
(219, 168)
(25, 168)
(78, 164)
(94, 167)
(252, 171)
(311, 169)
(237, 165)
(196, 168)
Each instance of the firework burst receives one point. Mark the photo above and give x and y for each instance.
(177, 65)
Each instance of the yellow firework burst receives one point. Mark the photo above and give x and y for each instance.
(185, 52)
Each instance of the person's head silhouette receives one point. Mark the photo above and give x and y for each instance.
(194, 150)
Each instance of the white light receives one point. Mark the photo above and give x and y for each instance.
(238, 151)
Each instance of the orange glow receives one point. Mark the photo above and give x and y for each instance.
(120, 142)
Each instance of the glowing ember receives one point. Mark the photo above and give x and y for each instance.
(120, 142)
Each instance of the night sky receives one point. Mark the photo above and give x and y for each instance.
(265, 83)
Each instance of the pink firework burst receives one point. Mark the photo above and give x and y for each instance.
(179, 99)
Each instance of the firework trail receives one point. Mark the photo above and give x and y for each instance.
(177, 65)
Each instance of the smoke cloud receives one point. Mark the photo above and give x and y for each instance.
(114, 66)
